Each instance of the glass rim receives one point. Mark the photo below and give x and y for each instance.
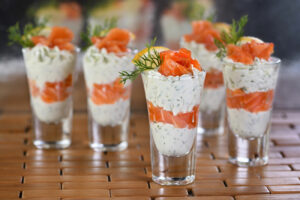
(272, 61)
(176, 78)
(76, 49)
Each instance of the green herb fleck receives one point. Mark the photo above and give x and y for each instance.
(149, 61)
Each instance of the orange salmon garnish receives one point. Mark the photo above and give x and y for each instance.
(213, 79)
(115, 41)
(247, 53)
(253, 102)
(59, 36)
(177, 63)
(204, 33)
(181, 120)
(109, 93)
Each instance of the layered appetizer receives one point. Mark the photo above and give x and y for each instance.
(108, 98)
(173, 81)
(50, 60)
(201, 42)
(250, 75)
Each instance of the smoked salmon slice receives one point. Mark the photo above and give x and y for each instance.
(59, 36)
(213, 79)
(204, 33)
(115, 41)
(253, 102)
(177, 63)
(181, 120)
(109, 93)
(52, 91)
(246, 53)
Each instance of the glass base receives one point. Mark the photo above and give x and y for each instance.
(54, 135)
(52, 145)
(248, 152)
(211, 123)
(173, 181)
(109, 147)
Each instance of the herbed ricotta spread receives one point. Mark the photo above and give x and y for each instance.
(247, 124)
(171, 141)
(109, 114)
(48, 65)
(259, 77)
(212, 99)
(102, 67)
(178, 94)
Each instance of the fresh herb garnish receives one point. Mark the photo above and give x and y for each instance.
(98, 30)
(148, 61)
(236, 32)
(16, 36)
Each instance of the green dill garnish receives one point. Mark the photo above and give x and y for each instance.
(236, 32)
(16, 36)
(150, 60)
(98, 30)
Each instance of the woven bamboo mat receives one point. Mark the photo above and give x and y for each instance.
(80, 173)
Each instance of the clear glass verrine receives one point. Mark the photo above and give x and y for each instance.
(249, 97)
(108, 99)
(173, 108)
(51, 73)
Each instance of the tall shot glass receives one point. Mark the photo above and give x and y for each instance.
(108, 98)
(173, 109)
(249, 97)
(51, 74)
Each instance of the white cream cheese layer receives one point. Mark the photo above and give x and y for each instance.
(49, 65)
(212, 99)
(51, 112)
(173, 29)
(44, 64)
(102, 67)
(207, 59)
(110, 114)
(260, 76)
(247, 124)
(171, 141)
(178, 94)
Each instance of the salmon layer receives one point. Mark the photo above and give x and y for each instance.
(52, 91)
(181, 120)
(213, 79)
(253, 102)
(109, 93)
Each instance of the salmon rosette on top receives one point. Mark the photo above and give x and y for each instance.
(250, 75)
(108, 55)
(50, 60)
(173, 81)
(201, 42)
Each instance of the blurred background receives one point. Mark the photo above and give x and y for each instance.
(271, 20)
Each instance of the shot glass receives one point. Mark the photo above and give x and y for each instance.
(108, 99)
(173, 109)
(249, 97)
(50, 74)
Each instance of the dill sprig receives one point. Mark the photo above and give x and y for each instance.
(236, 32)
(98, 30)
(149, 61)
(23, 38)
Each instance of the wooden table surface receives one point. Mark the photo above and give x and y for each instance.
(81, 173)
